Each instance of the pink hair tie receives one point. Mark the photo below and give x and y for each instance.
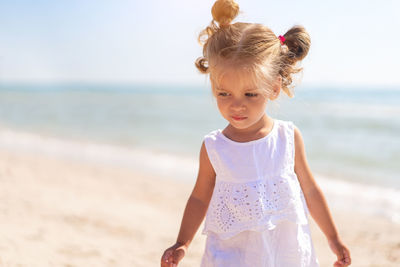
(282, 38)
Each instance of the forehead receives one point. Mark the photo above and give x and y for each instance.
(232, 78)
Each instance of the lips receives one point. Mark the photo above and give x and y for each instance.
(238, 118)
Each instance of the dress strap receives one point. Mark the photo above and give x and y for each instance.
(291, 148)
(210, 142)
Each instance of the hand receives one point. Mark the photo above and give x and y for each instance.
(173, 255)
(341, 251)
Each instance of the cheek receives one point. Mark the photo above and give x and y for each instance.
(260, 105)
(222, 104)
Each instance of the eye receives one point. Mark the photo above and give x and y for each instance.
(252, 94)
(223, 94)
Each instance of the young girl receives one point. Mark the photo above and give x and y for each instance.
(254, 184)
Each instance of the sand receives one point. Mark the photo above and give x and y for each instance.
(59, 212)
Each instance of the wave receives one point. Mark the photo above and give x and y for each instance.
(367, 198)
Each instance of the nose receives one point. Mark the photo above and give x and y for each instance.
(237, 104)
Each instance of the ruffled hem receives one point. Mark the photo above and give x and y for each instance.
(268, 223)
(260, 203)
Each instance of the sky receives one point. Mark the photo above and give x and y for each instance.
(354, 43)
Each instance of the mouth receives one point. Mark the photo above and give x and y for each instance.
(238, 118)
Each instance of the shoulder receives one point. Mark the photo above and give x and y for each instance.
(285, 127)
(206, 176)
(300, 154)
(211, 137)
(301, 167)
(212, 134)
(289, 126)
(298, 137)
(210, 143)
(207, 152)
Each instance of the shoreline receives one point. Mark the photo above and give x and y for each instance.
(60, 212)
(372, 200)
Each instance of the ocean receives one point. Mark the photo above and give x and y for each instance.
(351, 135)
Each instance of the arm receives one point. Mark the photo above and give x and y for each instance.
(199, 200)
(314, 197)
(195, 211)
(316, 202)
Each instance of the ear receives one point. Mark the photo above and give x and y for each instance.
(276, 88)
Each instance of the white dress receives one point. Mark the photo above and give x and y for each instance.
(257, 214)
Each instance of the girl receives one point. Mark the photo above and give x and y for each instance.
(254, 184)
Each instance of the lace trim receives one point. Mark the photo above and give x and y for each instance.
(256, 205)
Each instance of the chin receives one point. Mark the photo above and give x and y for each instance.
(239, 125)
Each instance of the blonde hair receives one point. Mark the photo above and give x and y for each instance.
(252, 47)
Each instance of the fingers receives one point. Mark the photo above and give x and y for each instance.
(340, 255)
(347, 258)
(166, 259)
(172, 257)
(178, 255)
(343, 258)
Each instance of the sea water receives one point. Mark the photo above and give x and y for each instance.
(351, 135)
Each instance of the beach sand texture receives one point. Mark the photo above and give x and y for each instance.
(59, 212)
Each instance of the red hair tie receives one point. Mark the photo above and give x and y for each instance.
(282, 38)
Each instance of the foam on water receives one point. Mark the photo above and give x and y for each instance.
(369, 199)
(138, 159)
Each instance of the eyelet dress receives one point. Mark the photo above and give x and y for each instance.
(257, 214)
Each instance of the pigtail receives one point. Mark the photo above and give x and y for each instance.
(202, 65)
(298, 41)
(296, 46)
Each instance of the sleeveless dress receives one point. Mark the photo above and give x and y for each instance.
(257, 214)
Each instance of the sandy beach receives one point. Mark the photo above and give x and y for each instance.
(59, 212)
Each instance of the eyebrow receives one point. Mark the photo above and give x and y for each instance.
(250, 89)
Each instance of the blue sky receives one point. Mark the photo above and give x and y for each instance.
(354, 43)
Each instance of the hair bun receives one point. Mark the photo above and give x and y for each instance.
(224, 11)
(298, 41)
